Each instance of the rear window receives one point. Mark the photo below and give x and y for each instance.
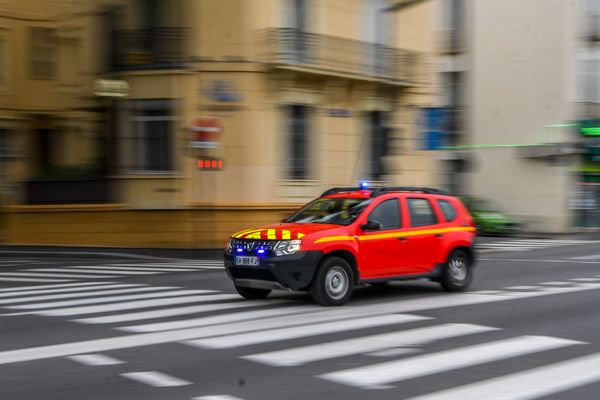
(448, 210)
(421, 212)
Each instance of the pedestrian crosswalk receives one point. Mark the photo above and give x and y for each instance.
(528, 244)
(106, 271)
(278, 333)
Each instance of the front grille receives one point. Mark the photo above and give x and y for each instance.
(250, 246)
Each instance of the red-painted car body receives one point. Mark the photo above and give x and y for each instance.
(410, 236)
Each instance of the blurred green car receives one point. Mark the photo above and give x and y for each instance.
(488, 220)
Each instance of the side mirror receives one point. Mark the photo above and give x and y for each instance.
(371, 226)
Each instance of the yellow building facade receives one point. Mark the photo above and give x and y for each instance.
(217, 115)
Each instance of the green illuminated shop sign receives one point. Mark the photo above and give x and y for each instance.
(590, 127)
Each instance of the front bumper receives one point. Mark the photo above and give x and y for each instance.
(284, 272)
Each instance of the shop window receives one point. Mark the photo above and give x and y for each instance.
(43, 49)
(151, 140)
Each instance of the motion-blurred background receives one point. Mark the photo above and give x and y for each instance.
(172, 123)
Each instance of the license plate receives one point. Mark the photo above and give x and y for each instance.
(246, 260)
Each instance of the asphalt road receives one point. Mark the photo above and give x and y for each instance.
(94, 329)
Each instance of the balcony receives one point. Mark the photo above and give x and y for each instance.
(324, 54)
(155, 48)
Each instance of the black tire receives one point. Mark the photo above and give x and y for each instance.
(251, 293)
(333, 283)
(458, 272)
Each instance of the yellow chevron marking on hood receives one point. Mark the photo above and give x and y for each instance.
(301, 235)
(271, 234)
(255, 234)
(285, 234)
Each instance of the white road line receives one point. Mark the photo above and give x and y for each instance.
(50, 275)
(380, 375)
(156, 379)
(67, 290)
(156, 268)
(585, 279)
(296, 332)
(172, 312)
(140, 269)
(522, 287)
(531, 384)
(79, 295)
(62, 285)
(488, 292)
(4, 279)
(526, 260)
(93, 270)
(217, 397)
(95, 359)
(227, 318)
(112, 299)
(137, 340)
(130, 305)
(366, 344)
(556, 283)
(592, 257)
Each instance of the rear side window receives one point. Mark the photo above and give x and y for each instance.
(387, 214)
(448, 210)
(421, 212)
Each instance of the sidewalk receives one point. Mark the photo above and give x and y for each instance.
(106, 252)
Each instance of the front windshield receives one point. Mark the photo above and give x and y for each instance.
(337, 210)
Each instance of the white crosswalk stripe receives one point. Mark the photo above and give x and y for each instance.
(295, 332)
(79, 295)
(89, 270)
(53, 275)
(365, 344)
(381, 375)
(156, 379)
(529, 244)
(112, 299)
(41, 280)
(531, 384)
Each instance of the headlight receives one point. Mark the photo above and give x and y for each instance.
(287, 247)
(229, 246)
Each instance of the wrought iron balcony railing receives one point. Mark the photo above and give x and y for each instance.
(292, 47)
(155, 48)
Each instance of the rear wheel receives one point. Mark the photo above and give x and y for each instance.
(458, 272)
(251, 293)
(333, 283)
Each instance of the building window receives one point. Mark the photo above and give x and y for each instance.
(151, 143)
(43, 49)
(378, 138)
(7, 148)
(297, 141)
(589, 81)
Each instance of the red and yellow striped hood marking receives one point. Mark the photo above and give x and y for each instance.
(268, 234)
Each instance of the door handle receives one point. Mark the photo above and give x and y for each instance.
(438, 235)
(403, 238)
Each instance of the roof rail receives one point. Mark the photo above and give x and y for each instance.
(387, 189)
(341, 190)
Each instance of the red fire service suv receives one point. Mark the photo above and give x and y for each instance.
(351, 236)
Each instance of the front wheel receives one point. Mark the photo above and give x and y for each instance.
(251, 293)
(458, 272)
(333, 283)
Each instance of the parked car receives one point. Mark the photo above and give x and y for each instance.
(350, 236)
(488, 219)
